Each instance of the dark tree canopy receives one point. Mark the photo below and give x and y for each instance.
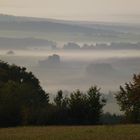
(129, 100)
(20, 95)
(79, 107)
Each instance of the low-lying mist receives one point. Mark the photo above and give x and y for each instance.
(70, 70)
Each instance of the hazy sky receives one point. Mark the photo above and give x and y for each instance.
(105, 10)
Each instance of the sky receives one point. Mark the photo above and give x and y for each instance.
(91, 10)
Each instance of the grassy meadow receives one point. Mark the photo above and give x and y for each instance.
(118, 132)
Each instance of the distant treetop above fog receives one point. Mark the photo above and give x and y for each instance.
(100, 69)
(52, 60)
(71, 45)
(10, 52)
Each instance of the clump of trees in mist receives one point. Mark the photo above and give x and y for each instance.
(24, 102)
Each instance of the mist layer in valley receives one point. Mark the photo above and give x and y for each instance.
(72, 55)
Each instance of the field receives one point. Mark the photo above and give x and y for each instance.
(122, 132)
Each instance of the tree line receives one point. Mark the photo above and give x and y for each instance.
(24, 102)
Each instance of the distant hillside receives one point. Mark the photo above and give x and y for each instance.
(66, 31)
(47, 25)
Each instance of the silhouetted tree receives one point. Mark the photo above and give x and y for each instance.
(21, 96)
(78, 107)
(86, 108)
(62, 108)
(129, 100)
(58, 100)
(95, 105)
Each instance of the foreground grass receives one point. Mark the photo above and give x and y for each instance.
(122, 132)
